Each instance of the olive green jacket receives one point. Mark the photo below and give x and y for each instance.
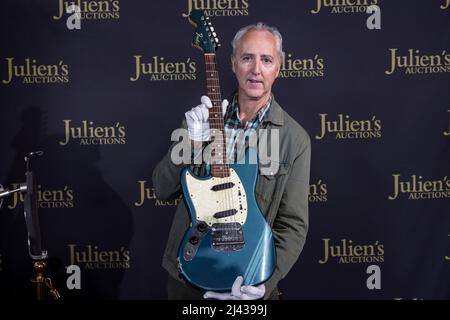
(282, 197)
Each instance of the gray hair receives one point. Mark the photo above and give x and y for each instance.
(260, 26)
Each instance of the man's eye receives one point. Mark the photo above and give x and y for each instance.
(245, 58)
(267, 60)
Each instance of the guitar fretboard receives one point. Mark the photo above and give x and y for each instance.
(219, 164)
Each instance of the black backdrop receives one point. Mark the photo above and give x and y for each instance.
(382, 127)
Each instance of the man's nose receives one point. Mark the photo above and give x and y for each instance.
(257, 66)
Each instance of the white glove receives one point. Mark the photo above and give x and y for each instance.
(197, 119)
(238, 292)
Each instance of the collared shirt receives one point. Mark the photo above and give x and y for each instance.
(237, 134)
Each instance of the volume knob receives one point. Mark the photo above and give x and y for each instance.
(193, 240)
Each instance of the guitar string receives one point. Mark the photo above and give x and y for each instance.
(231, 203)
(210, 82)
(225, 172)
(228, 199)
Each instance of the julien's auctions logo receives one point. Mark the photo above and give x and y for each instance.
(302, 68)
(416, 188)
(445, 5)
(219, 8)
(62, 198)
(346, 128)
(348, 252)
(147, 193)
(158, 69)
(91, 9)
(30, 71)
(343, 6)
(414, 62)
(87, 133)
(91, 257)
(318, 192)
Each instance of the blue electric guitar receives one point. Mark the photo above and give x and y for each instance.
(228, 235)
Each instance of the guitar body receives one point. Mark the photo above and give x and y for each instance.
(228, 236)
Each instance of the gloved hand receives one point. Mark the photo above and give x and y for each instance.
(238, 292)
(197, 119)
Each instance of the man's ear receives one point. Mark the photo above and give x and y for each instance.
(278, 72)
(232, 64)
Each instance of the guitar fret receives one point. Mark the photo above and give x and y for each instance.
(219, 165)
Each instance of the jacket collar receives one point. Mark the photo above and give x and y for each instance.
(274, 114)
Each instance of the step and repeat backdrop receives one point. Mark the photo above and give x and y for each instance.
(102, 94)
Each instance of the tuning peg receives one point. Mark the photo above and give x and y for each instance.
(207, 29)
(214, 34)
(207, 18)
(212, 28)
(217, 39)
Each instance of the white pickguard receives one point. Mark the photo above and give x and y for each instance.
(208, 202)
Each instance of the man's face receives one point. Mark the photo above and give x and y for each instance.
(256, 65)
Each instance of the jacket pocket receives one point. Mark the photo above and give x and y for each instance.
(266, 184)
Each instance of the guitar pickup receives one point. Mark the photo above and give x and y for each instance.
(222, 186)
(224, 214)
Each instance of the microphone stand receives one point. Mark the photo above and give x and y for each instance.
(34, 235)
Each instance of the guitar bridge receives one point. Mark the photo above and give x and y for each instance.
(227, 237)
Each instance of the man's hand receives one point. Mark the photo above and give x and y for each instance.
(238, 292)
(197, 119)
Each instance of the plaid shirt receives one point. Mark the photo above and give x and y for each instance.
(236, 133)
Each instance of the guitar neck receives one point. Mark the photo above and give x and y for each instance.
(219, 165)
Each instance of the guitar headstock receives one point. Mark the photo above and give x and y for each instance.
(204, 38)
